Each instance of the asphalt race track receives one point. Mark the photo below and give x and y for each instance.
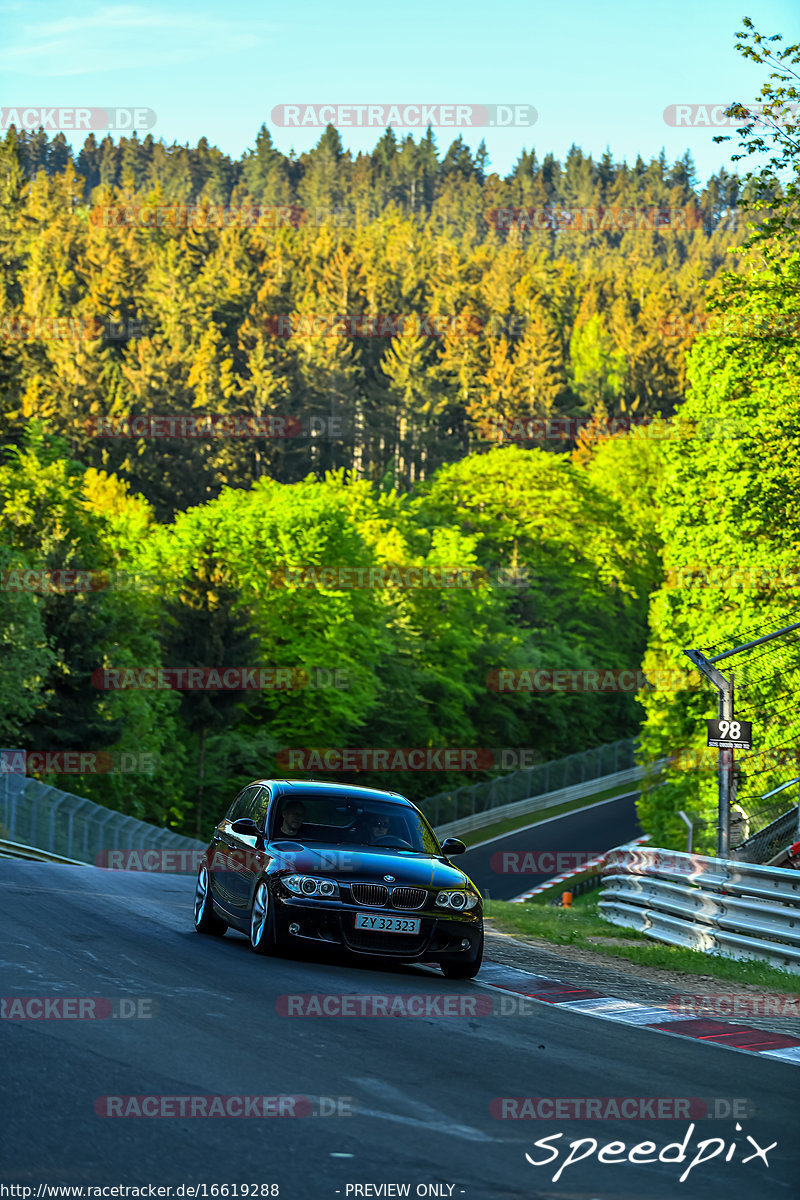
(585, 832)
(419, 1087)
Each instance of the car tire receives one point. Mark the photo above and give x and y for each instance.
(205, 919)
(464, 970)
(262, 921)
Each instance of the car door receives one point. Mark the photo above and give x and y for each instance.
(242, 848)
(227, 848)
(250, 862)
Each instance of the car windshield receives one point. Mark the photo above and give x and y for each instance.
(352, 822)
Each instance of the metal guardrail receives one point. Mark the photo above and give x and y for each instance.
(563, 882)
(538, 803)
(447, 807)
(34, 854)
(60, 827)
(719, 906)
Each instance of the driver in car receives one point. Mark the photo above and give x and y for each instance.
(375, 827)
(292, 818)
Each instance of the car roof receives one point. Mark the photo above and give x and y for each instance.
(319, 787)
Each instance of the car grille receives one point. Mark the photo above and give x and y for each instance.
(408, 897)
(370, 893)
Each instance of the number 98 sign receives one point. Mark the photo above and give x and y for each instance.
(730, 735)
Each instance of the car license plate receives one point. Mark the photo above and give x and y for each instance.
(381, 924)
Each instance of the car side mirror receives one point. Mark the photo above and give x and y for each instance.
(246, 827)
(452, 846)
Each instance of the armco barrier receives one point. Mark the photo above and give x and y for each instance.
(36, 816)
(17, 850)
(444, 808)
(538, 803)
(720, 906)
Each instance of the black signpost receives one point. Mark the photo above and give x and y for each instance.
(730, 735)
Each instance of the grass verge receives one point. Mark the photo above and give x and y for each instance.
(575, 926)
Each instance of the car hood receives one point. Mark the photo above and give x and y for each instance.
(352, 864)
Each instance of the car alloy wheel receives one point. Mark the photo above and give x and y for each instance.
(261, 935)
(205, 919)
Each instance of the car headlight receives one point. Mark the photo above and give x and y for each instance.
(457, 900)
(309, 885)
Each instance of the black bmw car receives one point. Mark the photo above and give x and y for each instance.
(351, 867)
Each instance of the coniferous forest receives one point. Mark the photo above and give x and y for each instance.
(221, 379)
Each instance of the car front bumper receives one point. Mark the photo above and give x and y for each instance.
(440, 938)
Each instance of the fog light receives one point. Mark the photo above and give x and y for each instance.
(465, 943)
(294, 928)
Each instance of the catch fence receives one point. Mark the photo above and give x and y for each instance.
(36, 814)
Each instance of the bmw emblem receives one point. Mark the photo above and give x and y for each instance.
(389, 878)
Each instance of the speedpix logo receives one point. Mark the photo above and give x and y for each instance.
(616, 1153)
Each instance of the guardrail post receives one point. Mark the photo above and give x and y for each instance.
(690, 834)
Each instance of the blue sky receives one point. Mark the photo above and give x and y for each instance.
(599, 72)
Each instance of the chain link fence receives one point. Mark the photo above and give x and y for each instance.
(445, 807)
(766, 683)
(762, 664)
(36, 814)
(765, 845)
